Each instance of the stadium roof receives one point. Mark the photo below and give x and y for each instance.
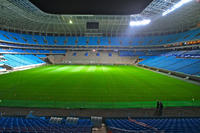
(24, 16)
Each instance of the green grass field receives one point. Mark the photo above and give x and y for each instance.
(76, 86)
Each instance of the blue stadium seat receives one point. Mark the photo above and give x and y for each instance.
(112, 41)
(37, 125)
(149, 125)
(16, 60)
(179, 61)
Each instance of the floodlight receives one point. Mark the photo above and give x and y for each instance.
(140, 23)
(179, 4)
(70, 21)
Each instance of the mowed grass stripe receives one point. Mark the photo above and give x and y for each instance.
(93, 86)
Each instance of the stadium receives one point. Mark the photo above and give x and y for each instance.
(100, 67)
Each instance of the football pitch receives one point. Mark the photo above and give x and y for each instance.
(85, 86)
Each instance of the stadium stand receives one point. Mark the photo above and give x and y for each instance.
(59, 51)
(37, 125)
(16, 60)
(43, 51)
(80, 57)
(1, 68)
(113, 41)
(41, 56)
(1, 50)
(131, 53)
(182, 61)
(157, 125)
(83, 125)
(1, 63)
(179, 61)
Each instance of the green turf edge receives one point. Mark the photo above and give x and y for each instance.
(94, 105)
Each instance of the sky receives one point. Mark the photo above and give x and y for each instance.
(95, 7)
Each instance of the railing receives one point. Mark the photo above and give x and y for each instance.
(95, 105)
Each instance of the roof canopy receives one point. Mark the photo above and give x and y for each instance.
(22, 15)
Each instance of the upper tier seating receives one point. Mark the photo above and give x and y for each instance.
(41, 56)
(20, 124)
(140, 53)
(58, 51)
(176, 61)
(2, 50)
(113, 41)
(157, 125)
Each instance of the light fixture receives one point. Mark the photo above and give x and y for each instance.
(139, 23)
(70, 21)
(177, 5)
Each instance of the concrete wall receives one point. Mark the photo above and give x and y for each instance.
(92, 58)
(178, 74)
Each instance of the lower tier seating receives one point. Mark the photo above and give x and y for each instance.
(147, 125)
(157, 125)
(176, 61)
(36, 125)
(16, 60)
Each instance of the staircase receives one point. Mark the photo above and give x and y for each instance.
(100, 130)
(51, 59)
